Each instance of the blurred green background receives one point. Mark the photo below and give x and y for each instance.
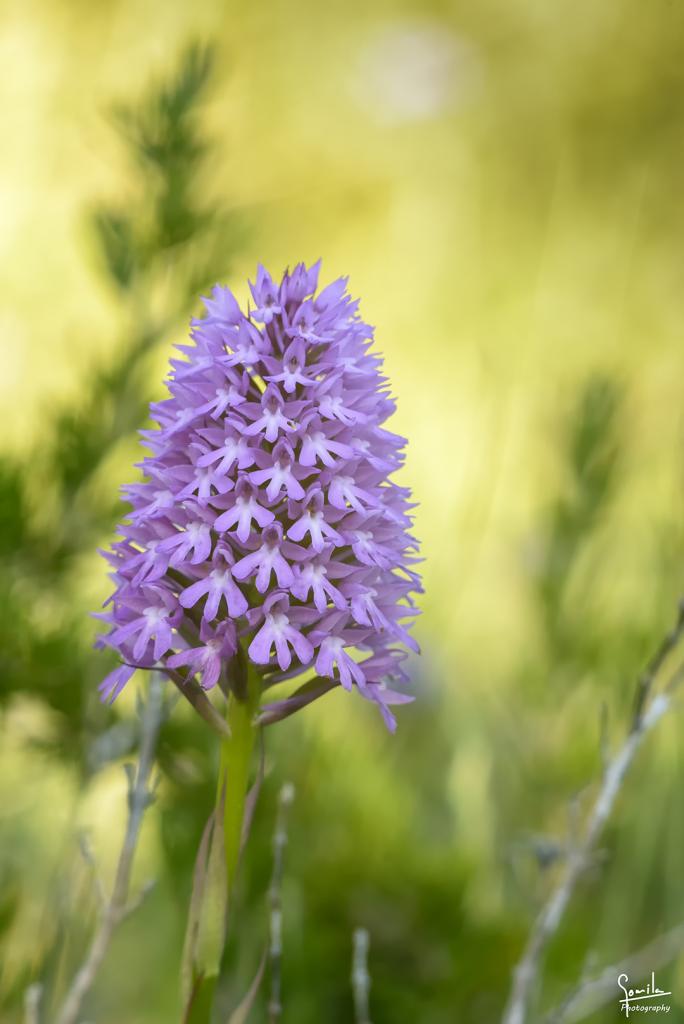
(502, 181)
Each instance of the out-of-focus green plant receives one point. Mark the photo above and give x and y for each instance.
(591, 460)
(586, 659)
(157, 249)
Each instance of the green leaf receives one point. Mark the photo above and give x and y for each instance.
(114, 233)
(205, 933)
(211, 931)
(188, 974)
(199, 1007)
(13, 512)
(241, 1012)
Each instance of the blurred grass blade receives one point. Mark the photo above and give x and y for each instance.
(205, 932)
(241, 1012)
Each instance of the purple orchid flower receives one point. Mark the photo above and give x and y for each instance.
(216, 585)
(218, 646)
(245, 509)
(280, 630)
(267, 560)
(267, 517)
(281, 472)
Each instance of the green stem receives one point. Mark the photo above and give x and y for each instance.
(220, 856)
(202, 1002)
(236, 755)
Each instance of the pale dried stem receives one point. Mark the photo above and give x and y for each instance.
(118, 907)
(32, 1000)
(593, 993)
(647, 714)
(275, 1008)
(360, 976)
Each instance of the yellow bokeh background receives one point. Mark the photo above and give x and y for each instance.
(502, 184)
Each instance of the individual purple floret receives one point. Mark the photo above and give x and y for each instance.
(267, 521)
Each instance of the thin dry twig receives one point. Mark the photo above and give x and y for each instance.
(360, 977)
(241, 1012)
(604, 736)
(647, 714)
(32, 999)
(275, 899)
(656, 662)
(594, 992)
(118, 907)
(89, 858)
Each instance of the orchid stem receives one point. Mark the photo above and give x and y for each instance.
(236, 755)
(219, 853)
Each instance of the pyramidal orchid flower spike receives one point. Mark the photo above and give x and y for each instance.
(267, 525)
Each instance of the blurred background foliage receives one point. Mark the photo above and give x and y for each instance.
(502, 182)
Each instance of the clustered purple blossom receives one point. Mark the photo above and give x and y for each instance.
(267, 517)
